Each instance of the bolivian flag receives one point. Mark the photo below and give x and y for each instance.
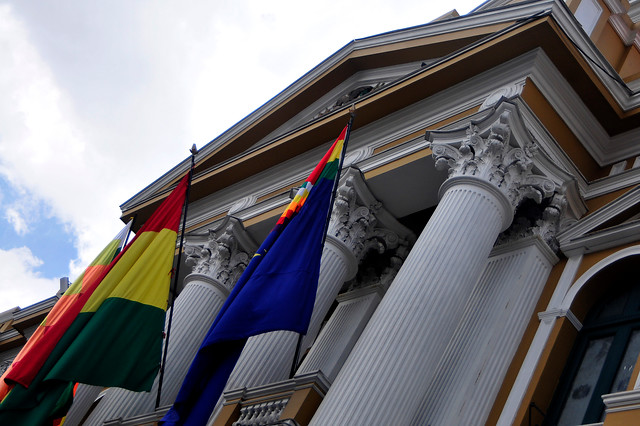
(276, 292)
(108, 330)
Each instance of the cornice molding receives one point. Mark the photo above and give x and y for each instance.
(615, 6)
(569, 238)
(555, 8)
(620, 26)
(41, 307)
(602, 240)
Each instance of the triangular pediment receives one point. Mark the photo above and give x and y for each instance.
(386, 75)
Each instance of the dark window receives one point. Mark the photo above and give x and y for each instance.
(602, 359)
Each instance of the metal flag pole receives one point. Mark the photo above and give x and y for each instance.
(352, 115)
(174, 281)
(133, 222)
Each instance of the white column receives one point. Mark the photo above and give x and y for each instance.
(471, 371)
(218, 264)
(384, 378)
(354, 310)
(341, 332)
(195, 310)
(83, 399)
(547, 323)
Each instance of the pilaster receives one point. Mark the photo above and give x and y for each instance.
(354, 310)
(471, 370)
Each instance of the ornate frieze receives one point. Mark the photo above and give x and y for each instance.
(495, 159)
(223, 256)
(351, 96)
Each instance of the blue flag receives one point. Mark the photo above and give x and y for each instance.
(276, 292)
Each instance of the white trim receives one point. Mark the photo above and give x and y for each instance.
(622, 401)
(605, 239)
(525, 375)
(549, 315)
(626, 34)
(586, 276)
(598, 217)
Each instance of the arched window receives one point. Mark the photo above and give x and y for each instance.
(602, 359)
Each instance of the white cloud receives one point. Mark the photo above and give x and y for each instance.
(30, 287)
(99, 99)
(16, 220)
(43, 147)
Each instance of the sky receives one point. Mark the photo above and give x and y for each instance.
(99, 99)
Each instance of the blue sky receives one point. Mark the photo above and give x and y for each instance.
(101, 98)
(46, 235)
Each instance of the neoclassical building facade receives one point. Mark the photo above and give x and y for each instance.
(480, 263)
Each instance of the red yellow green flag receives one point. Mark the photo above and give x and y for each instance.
(33, 355)
(115, 336)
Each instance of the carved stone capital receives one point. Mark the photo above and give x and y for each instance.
(224, 254)
(381, 270)
(544, 220)
(353, 222)
(492, 156)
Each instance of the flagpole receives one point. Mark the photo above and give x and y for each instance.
(133, 222)
(174, 281)
(352, 115)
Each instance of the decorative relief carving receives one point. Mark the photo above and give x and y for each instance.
(544, 219)
(495, 160)
(220, 257)
(354, 224)
(242, 204)
(357, 155)
(381, 269)
(4, 365)
(361, 223)
(350, 97)
(509, 91)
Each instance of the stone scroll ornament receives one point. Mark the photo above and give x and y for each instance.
(355, 225)
(494, 159)
(220, 257)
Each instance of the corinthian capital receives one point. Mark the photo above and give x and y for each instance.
(360, 221)
(224, 254)
(493, 156)
(543, 220)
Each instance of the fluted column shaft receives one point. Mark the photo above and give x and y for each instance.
(341, 332)
(194, 311)
(382, 381)
(471, 371)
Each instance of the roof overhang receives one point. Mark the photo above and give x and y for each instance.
(462, 48)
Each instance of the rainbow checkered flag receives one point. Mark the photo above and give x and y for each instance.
(276, 292)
